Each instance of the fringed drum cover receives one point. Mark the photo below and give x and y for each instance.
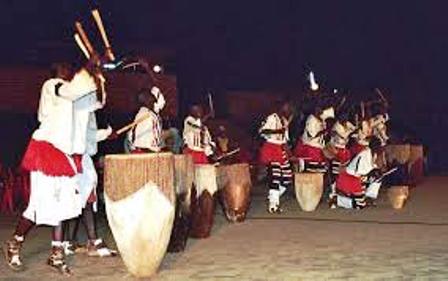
(139, 197)
(398, 152)
(309, 189)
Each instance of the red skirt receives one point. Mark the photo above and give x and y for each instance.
(42, 156)
(357, 148)
(199, 157)
(309, 153)
(343, 155)
(271, 152)
(348, 184)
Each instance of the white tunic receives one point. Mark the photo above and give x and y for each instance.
(197, 136)
(362, 164)
(275, 122)
(146, 134)
(340, 134)
(311, 134)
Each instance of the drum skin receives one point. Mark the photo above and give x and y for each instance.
(140, 196)
(203, 201)
(309, 188)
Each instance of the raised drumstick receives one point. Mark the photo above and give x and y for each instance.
(81, 46)
(99, 22)
(85, 40)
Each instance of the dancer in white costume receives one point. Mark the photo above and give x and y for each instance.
(54, 160)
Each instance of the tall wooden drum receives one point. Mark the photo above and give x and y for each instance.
(309, 188)
(416, 163)
(235, 185)
(398, 153)
(203, 200)
(140, 201)
(183, 182)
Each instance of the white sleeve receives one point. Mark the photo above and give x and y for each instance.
(82, 84)
(103, 134)
(313, 127)
(269, 124)
(46, 100)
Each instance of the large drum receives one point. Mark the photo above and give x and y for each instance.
(139, 195)
(398, 153)
(203, 200)
(416, 163)
(398, 196)
(309, 188)
(183, 182)
(235, 185)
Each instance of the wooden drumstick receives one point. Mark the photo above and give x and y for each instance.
(99, 22)
(132, 125)
(81, 46)
(84, 38)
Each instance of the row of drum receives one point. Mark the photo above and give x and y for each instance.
(154, 202)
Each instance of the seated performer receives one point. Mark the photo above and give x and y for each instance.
(145, 137)
(197, 139)
(53, 158)
(309, 149)
(340, 134)
(274, 153)
(359, 181)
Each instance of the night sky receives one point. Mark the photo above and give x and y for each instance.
(398, 46)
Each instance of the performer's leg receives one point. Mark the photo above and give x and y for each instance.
(286, 177)
(57, 257)
(12, 247)
(95, 246)
(274, 178)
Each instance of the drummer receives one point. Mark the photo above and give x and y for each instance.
(359, 184)
(340, 154)
(309, 149)
(274, 153)
(196, 136)
(146, 136)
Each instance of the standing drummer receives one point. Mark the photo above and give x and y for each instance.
(274, 153)
(197, 138)
(146, 136)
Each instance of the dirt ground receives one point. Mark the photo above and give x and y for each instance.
(373, 244)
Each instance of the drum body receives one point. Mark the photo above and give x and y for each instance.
(203, 200)
(416, 164)
(398, 196)
(309, 188)
(235, 185)
(139, 195)
(183, 183)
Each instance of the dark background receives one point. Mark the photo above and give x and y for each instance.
(398, 46)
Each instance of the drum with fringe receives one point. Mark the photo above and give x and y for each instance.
(203, 200)
(309, 188)
(398, 196)
(399, 153)
(235, 185)
(140, 202)
(183, 182)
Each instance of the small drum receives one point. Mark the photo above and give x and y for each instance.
(183, 182)
(416, 166)
(398, 196)
(309, 188)
(235, 185)
(140, 202)
(398, 153)
(203, 200)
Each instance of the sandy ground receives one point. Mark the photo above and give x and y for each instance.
(374, 244)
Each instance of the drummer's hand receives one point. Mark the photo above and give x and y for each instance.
(213, 158)
(113, 136)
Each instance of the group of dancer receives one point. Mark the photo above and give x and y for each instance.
(348, 151)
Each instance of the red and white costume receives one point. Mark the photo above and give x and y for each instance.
(351, 183)
(147, 135)
(274, 155)
(309, 148)
(197, 140)
(54, 154)
(339, 140)
(379, 127)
